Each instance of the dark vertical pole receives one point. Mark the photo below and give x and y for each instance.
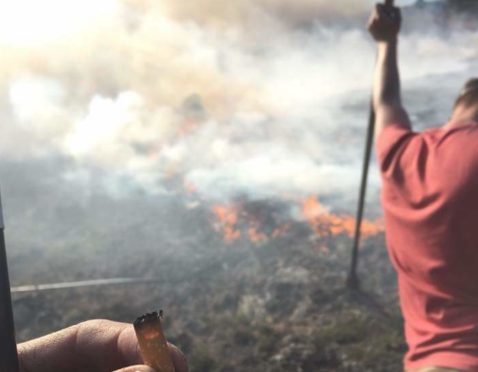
(353, 280)
(8, 346)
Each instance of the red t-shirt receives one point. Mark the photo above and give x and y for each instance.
(430, 201)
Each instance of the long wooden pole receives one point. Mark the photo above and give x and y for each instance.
(353, 281)
(8, 346)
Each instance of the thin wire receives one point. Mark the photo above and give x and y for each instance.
(81, 284)
(110, 281)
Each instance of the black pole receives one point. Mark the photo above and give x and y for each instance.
(353, 281)
(8, 346)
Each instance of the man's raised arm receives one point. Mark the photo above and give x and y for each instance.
(384, 26)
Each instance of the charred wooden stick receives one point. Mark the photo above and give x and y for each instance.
(152, 342)
(8, 346)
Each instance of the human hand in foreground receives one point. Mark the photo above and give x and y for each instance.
(385, 22)
(92, 346)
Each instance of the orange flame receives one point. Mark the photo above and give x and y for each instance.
(228, 218)
(236, 221)
(326, 224)
(256, 236)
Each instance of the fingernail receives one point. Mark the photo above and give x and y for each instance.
(136, 369)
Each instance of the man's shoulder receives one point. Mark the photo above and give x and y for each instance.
(396, 133)
(453, 128)
(399, 142)
(392, 140)
(451, 135)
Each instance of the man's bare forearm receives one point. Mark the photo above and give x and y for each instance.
(384, 26)
(387, 99)
(387, 76)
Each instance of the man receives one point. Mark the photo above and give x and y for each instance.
(92, 346)
(430, 200)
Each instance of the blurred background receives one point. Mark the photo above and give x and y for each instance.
(216, 148)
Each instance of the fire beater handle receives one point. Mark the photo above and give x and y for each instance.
(352, 280)
(8, 346)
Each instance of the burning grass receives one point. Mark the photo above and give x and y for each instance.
(238, 220)
(275, 303)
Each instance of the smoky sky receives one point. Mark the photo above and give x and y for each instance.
(260, 98)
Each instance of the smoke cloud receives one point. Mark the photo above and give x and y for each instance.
(263, 98)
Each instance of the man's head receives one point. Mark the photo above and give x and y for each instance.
(466, 105)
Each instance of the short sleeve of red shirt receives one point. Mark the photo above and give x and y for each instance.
(391, 146)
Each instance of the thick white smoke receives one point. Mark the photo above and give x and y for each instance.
(267, 98)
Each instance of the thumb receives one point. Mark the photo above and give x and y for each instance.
(179, 360)
(138, 368)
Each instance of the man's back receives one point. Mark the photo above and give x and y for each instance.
(430, 199)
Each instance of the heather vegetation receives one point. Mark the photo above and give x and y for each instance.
(278, 304)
